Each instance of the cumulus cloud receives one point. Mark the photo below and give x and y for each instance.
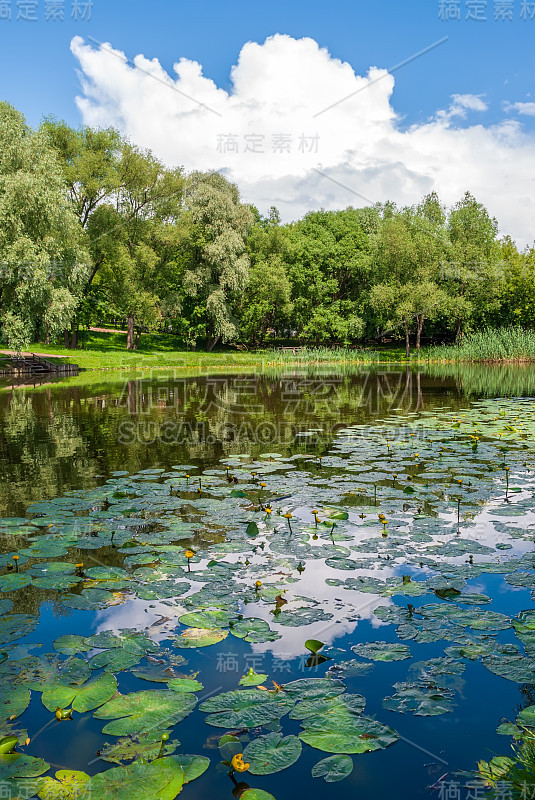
(522, 108)
(302, 130)
(462, 103)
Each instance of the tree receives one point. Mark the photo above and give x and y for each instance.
(518, 285)
(473, 273)
(42, 249)
(215, 228)
(329, 265)
(409, 253)
(123, 197)
(266, 302)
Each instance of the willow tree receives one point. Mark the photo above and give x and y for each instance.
(215, 228)
(44, 264)
(124, 198)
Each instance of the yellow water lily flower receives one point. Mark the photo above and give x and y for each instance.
(238, 763)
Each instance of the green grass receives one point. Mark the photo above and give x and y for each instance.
(107, 351)
(513, 344)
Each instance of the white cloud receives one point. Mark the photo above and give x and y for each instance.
(279, 90)
(462, 103)
(522, 108)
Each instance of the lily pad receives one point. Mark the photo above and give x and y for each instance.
(144, 711)
(200, 637)
(333, 768)
(382, 651)
(162, 779)
(83, 698)
(246, 708)
(133, 748)
(272, 753)
(67, 785)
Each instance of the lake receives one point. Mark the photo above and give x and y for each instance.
(360, 545)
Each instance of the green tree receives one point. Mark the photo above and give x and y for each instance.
(518, 285)
(127, 202)
(473, 273)
(215, 228)
(410, 249)
(329, 265)
(42, 248)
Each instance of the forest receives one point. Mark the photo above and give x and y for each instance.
(96, 231)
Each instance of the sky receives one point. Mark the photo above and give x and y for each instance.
(304, 105)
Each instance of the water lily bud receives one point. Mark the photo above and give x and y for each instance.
(238, 764)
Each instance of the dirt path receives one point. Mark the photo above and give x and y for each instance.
(106, 330)
(40, 355)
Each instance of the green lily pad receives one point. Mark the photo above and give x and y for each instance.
(19, 765)
(200, 637)
(253, 630)
(14, 626)
(83, 698)
(355, 703)
(272, 753)
(333, 768)
(192, 766)
(422, 699)
(14, 580)
(382, 651)
(362, 735)
(67, 785)
(14, 701)
(302, 616)
(246, 708)
(71, 644)
(184, 685)
(527, 717)
(133, 748)
(162, 779)
(252, 679)
(339, 730)
(144, 711)
(210, 619)
(115, 660)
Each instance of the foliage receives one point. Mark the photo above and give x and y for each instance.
(490, 344)
(43, 256)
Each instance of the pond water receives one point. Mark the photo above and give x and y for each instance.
(387, 514)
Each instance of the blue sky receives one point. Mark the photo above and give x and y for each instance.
(460, 117)
(493, 58)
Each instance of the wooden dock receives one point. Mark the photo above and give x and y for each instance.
(32, 364)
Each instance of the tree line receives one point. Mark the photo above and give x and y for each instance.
(94, 229)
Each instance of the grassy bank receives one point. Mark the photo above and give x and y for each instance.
(105, 351)
(513, 344)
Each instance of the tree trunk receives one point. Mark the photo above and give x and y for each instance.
(74, 335)
(420, 324)
(458, 332)
(130, 333)
(47, 337)
(138, 337)
(66, 339)
(213, 343)
(407, 340)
